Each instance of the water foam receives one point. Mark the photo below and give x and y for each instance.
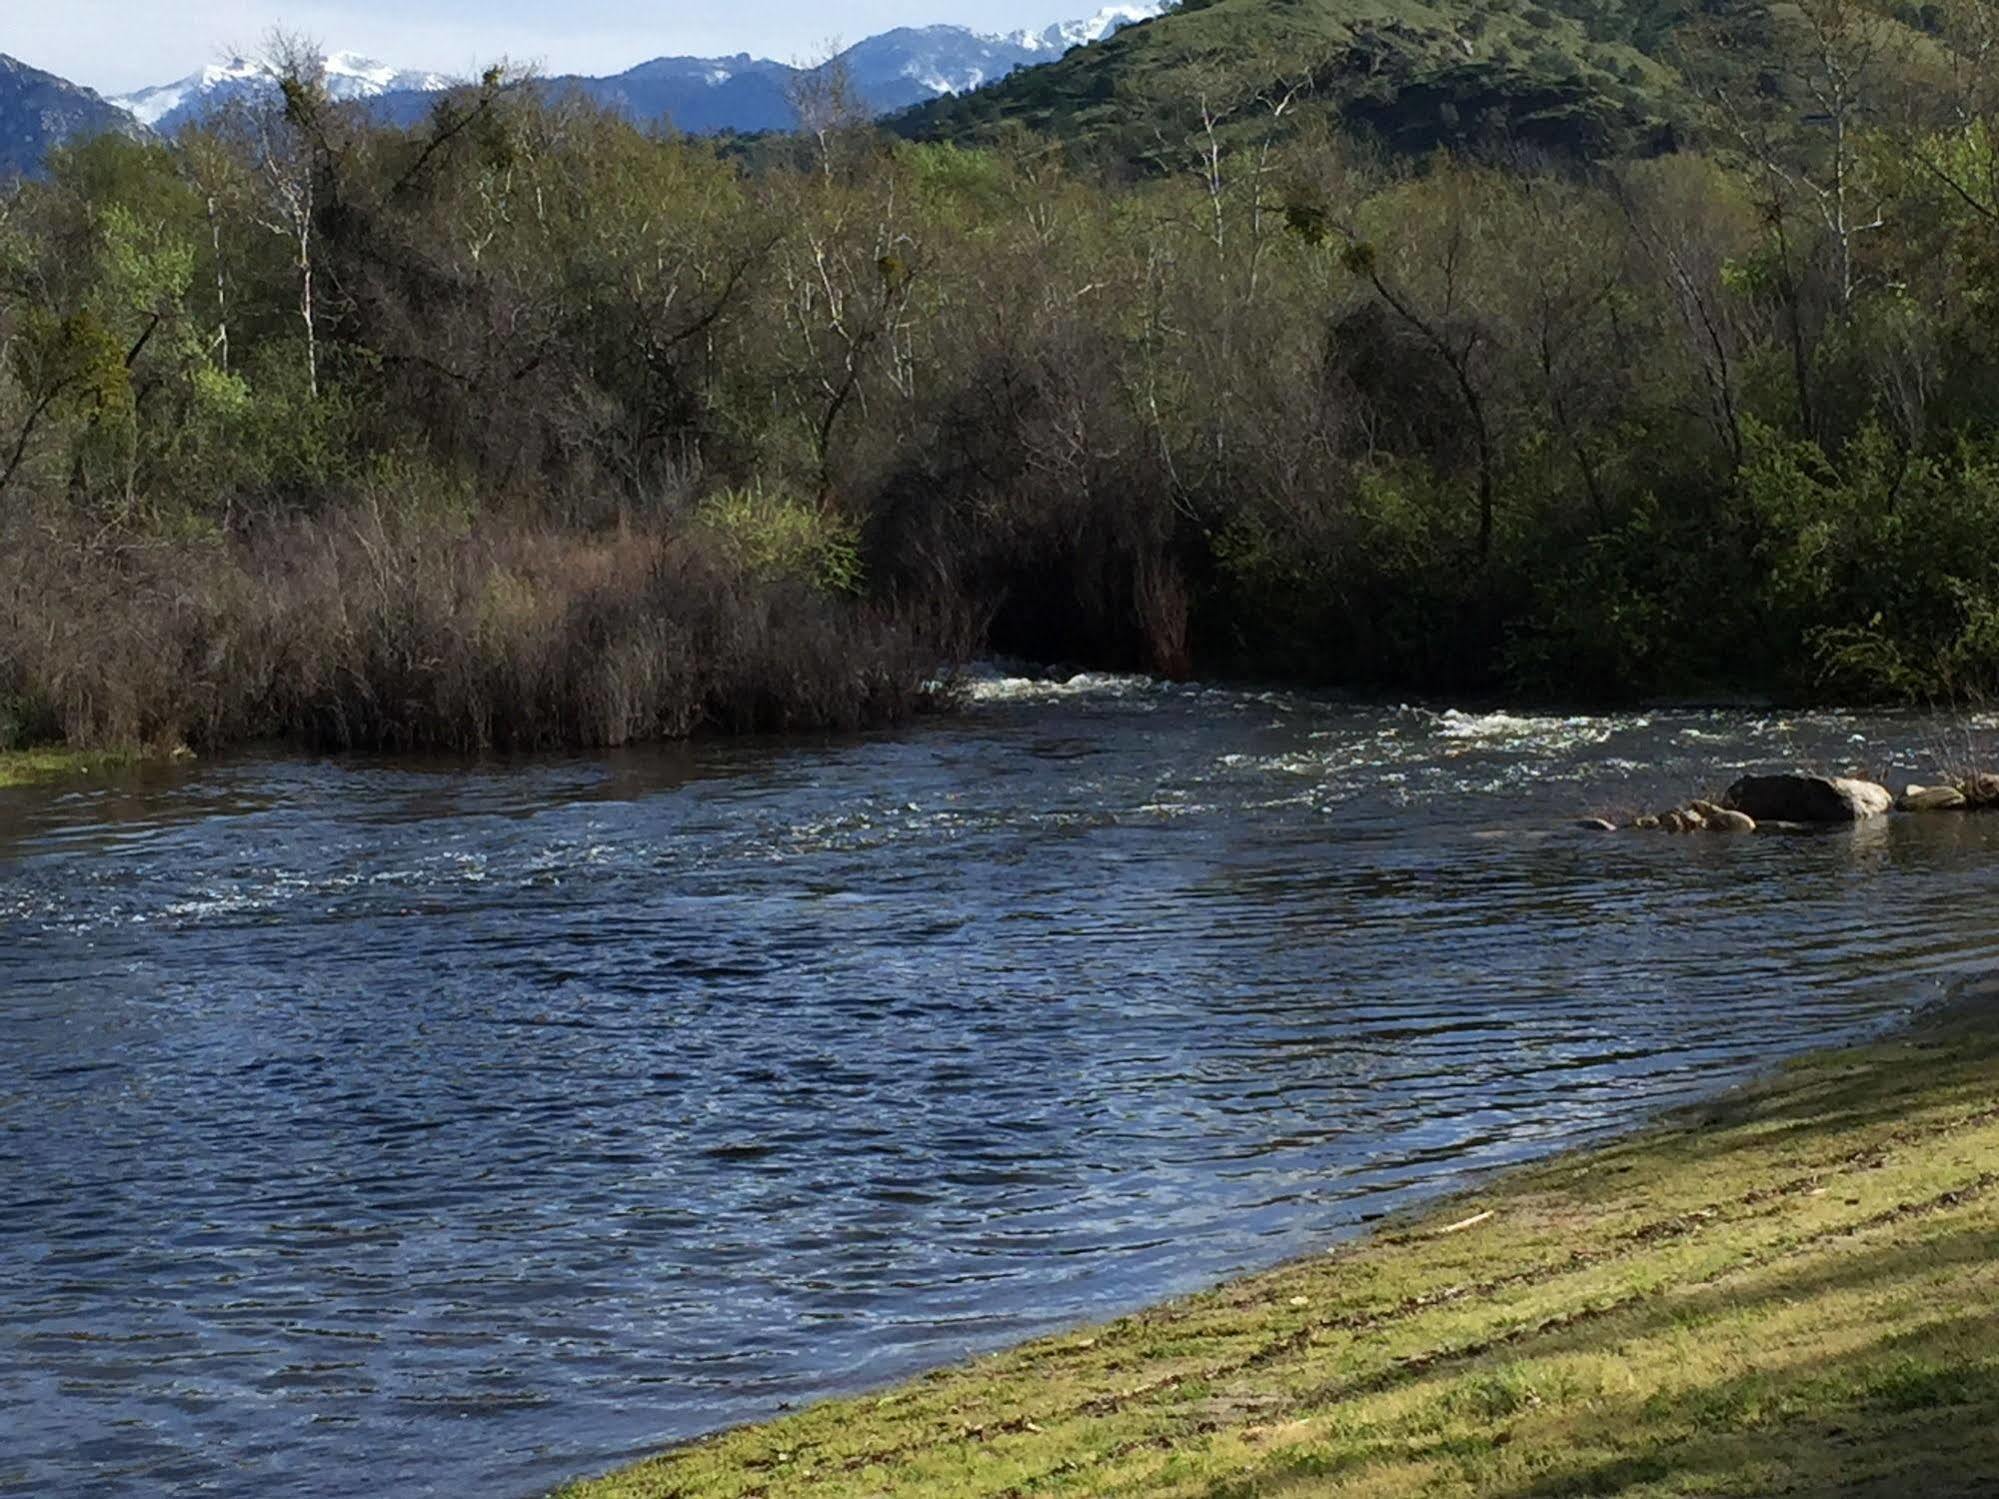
(989, 685)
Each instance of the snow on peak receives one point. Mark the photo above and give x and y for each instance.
(348, 75)
(952, 60)
(895, 69)
(1064, 35)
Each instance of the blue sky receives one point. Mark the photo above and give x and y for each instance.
(118, 45)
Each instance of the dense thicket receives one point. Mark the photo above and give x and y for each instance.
(526, 427)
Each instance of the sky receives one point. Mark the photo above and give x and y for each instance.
(115, 46)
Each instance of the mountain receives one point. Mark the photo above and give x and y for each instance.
(167, 106)
(700, 95)
(39, 111)
(894, 71)
(890, 72)
(911, 65)
(1574, 77)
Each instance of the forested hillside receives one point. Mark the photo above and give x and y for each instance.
(1569, 76)
(525, 427)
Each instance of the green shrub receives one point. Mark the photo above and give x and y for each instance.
(777, 537)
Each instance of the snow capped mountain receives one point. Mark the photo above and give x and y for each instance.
(914, 64)
(348, 76)
(910, 65)
(893, 71)
(1064, 35)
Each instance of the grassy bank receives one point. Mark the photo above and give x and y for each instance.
(1793, 1290)
(20, 767)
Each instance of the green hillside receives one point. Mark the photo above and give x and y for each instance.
(1580, 78)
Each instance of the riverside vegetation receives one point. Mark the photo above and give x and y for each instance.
(1791, 1290)
(1668, 367)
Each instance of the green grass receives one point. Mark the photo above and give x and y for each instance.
(20, 767)
(1793, 1290)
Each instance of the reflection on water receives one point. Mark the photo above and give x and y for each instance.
(416, 1129)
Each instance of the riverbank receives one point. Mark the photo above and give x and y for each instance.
(1794, 1288)
(22, 767)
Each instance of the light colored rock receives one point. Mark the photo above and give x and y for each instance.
(1598, 825)
(1648, 823)
(1725, 821)
(1674, 821)
(1706, 810)
(1696, 820)
(1803, 798)
(1982, 791)
(1933, 799)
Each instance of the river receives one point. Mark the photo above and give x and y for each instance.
(431, 1128)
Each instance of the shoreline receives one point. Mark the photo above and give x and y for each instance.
(29, 767)
(949, 696)
(1796, 1282)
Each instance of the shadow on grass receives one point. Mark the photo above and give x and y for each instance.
(1913, 1412)
(1911, 1416)
(1919, 1424)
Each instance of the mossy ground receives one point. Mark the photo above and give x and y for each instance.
(1794, 1290)
(19, 767)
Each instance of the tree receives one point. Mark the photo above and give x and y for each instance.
(1428, 265)
(284, 127)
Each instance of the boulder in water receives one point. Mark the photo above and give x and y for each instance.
(1648, 823)
(1982, 791)
(1803, 798)
(1933, 799)
(1725, 821)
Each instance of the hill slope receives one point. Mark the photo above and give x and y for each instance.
(1418, 73)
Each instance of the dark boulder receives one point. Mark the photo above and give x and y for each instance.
(1803, 798)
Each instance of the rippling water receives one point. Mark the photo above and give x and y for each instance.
(397, 1128)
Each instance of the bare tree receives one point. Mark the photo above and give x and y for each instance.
(827, 104)
(1445, 316)
(282, 124)
(1688, 237)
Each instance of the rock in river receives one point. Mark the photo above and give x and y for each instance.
(1933, 799)
(1724, 821)
(1803, 798)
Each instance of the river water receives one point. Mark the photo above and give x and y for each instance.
(439, 1129)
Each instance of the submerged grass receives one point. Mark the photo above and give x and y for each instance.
(1795, 1289)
